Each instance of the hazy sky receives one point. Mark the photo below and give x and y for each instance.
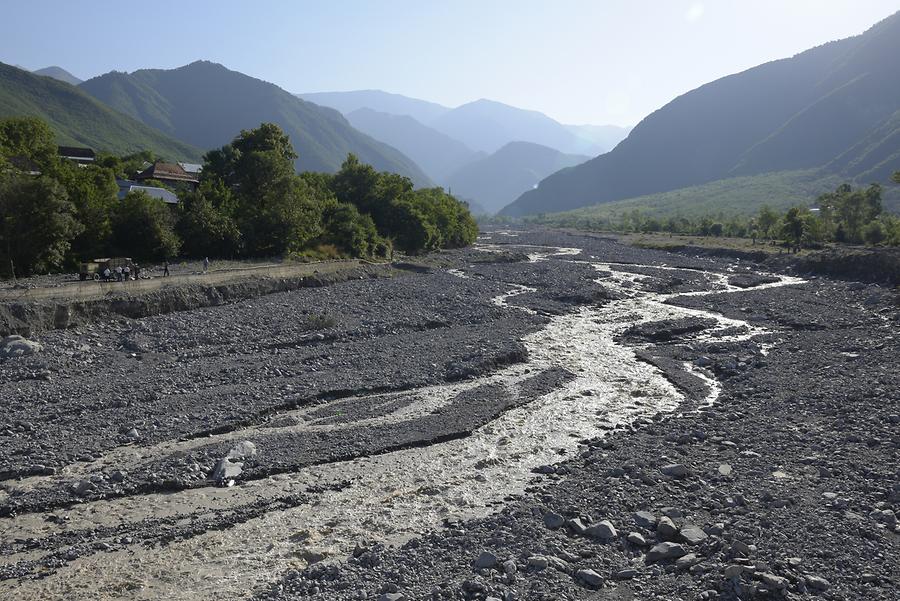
(579, 61)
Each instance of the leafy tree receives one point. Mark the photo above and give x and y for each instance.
(29, 138)
(874, 233)
(144, 228)
(206, 225)
(410, 228)
(94, 193)
(792, 229)
(283, 219)
(849, 211)
(896, 177)
(354, 233)
(766, 220)
(37, 223)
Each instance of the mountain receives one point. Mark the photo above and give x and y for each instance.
(496, 180)
(605, 137)
(383, 102)
(79, 120)
(437, 154)
(488, 125)
(207, 105)
(58, 73)
(797, 113)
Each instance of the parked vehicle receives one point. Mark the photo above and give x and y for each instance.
(94, 270)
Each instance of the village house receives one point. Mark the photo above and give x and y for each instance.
(171, 174)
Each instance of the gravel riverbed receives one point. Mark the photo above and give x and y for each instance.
(543, 416)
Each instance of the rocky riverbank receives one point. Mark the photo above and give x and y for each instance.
(548, 416)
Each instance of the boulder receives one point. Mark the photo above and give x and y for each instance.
(589, 577)
(17, 346)
(602, 530)
(663, 551)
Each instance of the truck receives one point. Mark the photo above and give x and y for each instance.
(94, 270)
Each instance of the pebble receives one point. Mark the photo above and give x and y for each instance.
(636, 538)
(603, 530)
(666, 529)
(486, 560)
(675, 470)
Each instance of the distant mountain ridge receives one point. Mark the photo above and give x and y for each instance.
(60, 74)
(78, 119)
(482, 125)
(498, 179)
(807, 111)
(422, 111)
(436, 153)
(206, 105)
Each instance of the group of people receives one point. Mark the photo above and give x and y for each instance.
(122, 273)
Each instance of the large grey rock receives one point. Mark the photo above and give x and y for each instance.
(666, 529)
(603, 530)
(665, 551)
(645, 519)
(242, 450)
(693, 535)
(553, 520)
(486, 560)
(17, 346)
(226, 470)
(676, 470)
(589, 577)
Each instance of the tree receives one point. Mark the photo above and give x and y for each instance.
(766, 219)
(794, 228)
(94, 193)
(29, 138)
(206, 225)
(144, 228)
(848, 211)
(37, 224)
(349, 230)
(896, 177)
(282, 220)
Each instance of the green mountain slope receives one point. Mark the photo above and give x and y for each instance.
(496, 180)
(80, 120)
(206, 105)
(732, 197)
(437, 154)
(793, 114)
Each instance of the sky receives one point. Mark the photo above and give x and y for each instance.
(578, 61)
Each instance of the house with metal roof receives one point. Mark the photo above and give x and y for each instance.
(126, 186)
(169, 173)
(82, 156)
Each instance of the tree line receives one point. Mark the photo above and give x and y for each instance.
(250, 202)
(847, 215)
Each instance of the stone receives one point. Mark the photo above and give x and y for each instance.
(636, 538)
(225, 470)
(725, 470)
(132, 434)
(538, 562)
(392, 597)
(733, 571)
(509, 567)
(576, 526)
(626, 574)
(486, 560)
(663, 551)
(559, 565)
(17, 346)
(589, 577)
(553, 520)
(666, 529)
(242, 450)
(685, 562)
(773, 581)
(817, 583)
(603, 530)
(645, 519)
(676, 470)
(692, 535)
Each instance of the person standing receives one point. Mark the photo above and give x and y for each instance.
(165, 268)
(205, 264)
(126, 273)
